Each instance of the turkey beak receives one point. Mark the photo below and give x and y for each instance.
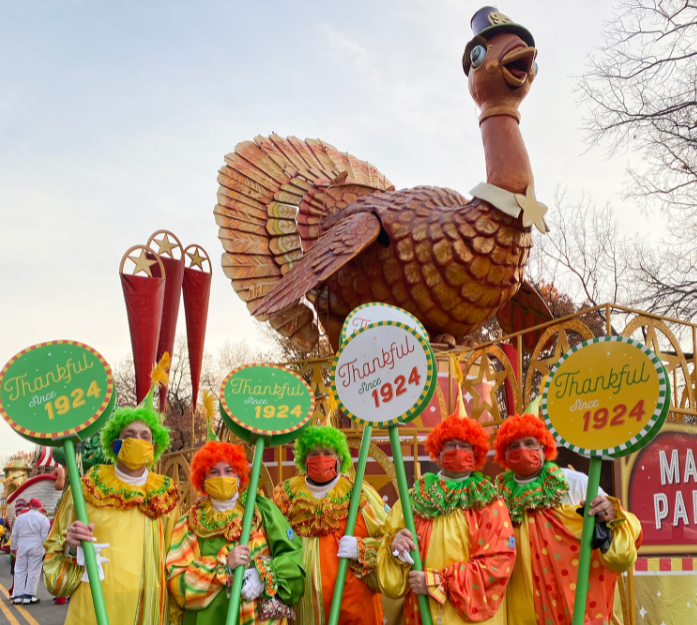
(517, 65)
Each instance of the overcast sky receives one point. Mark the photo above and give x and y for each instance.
(115, 116)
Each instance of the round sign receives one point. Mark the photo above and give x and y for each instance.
(384, 374)
(56, 390)
(376, 311)
(266, 401)
(608, 396)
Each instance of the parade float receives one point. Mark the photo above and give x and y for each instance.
(311, 235)
(319, 244)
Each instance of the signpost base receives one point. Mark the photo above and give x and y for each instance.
(233, 612)
(408, 516)
(88, 547)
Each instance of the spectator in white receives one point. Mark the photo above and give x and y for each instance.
(28, 535)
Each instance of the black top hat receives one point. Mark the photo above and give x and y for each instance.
(488, 22)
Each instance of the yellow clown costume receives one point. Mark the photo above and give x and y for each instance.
(548, 534)
(133, 518)
(465, 539)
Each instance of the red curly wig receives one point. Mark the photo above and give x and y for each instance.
(522, 426)
(211, 454)
(462, 429)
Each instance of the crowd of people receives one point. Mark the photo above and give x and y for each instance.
(501, 550)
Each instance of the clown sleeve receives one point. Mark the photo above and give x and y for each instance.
(62, 573)
(373, 515)
(176, 614)
(392, 573)
(193, 580)
(476, 588)
(626, 536)
(280, 497)
(283, 575)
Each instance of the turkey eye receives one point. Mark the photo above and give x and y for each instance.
(477, 56)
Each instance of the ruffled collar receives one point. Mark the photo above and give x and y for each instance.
(545, 491)
(103, 489)
(316, 517)
(205, 521)
(434, 496)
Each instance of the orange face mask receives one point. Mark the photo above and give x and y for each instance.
(321, 469)
(524, 461)
(457, 460)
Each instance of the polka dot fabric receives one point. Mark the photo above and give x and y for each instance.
(554, 551)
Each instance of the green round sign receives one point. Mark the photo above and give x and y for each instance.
(266, 401)
(56, 390)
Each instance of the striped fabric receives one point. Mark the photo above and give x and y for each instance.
(152, 601)
(195, 580)
(310, 609)
(653, 566)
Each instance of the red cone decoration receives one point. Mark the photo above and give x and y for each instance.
(174, 270)
(197, 290)
(144, 295)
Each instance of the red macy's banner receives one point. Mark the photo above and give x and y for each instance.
(659, 485)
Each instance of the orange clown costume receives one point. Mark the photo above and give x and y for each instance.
(548, 531)
(465, 538)
(198, 570)
(318, 514)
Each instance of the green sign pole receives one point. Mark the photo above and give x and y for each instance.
(584, 559)
(233, 612)
(351, 523)
(398, 461)
(87, 546)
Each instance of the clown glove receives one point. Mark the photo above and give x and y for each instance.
(252, 586)
(348, 548)
(403, 556)
(81, 560)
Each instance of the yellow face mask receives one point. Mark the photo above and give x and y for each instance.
(136, 453)
(221, 488)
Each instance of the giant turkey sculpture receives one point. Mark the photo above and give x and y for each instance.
(310, 232)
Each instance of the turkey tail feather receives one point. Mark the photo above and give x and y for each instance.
(273, 194)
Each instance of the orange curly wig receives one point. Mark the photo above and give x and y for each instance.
(462, 429)
(213, 452)
(522, 426)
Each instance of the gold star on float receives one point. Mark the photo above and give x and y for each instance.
(165, 246)
(533, 211)
(196, 259)
(142, 263)
(484, 401)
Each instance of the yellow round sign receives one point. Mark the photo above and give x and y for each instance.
(606, 397)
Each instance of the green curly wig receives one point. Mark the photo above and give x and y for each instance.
(323, 436)
(122, 417)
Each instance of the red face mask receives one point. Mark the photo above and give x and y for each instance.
(524, 461)
(321, 469)
(457, 461)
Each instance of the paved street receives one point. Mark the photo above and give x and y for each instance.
(44, 613)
